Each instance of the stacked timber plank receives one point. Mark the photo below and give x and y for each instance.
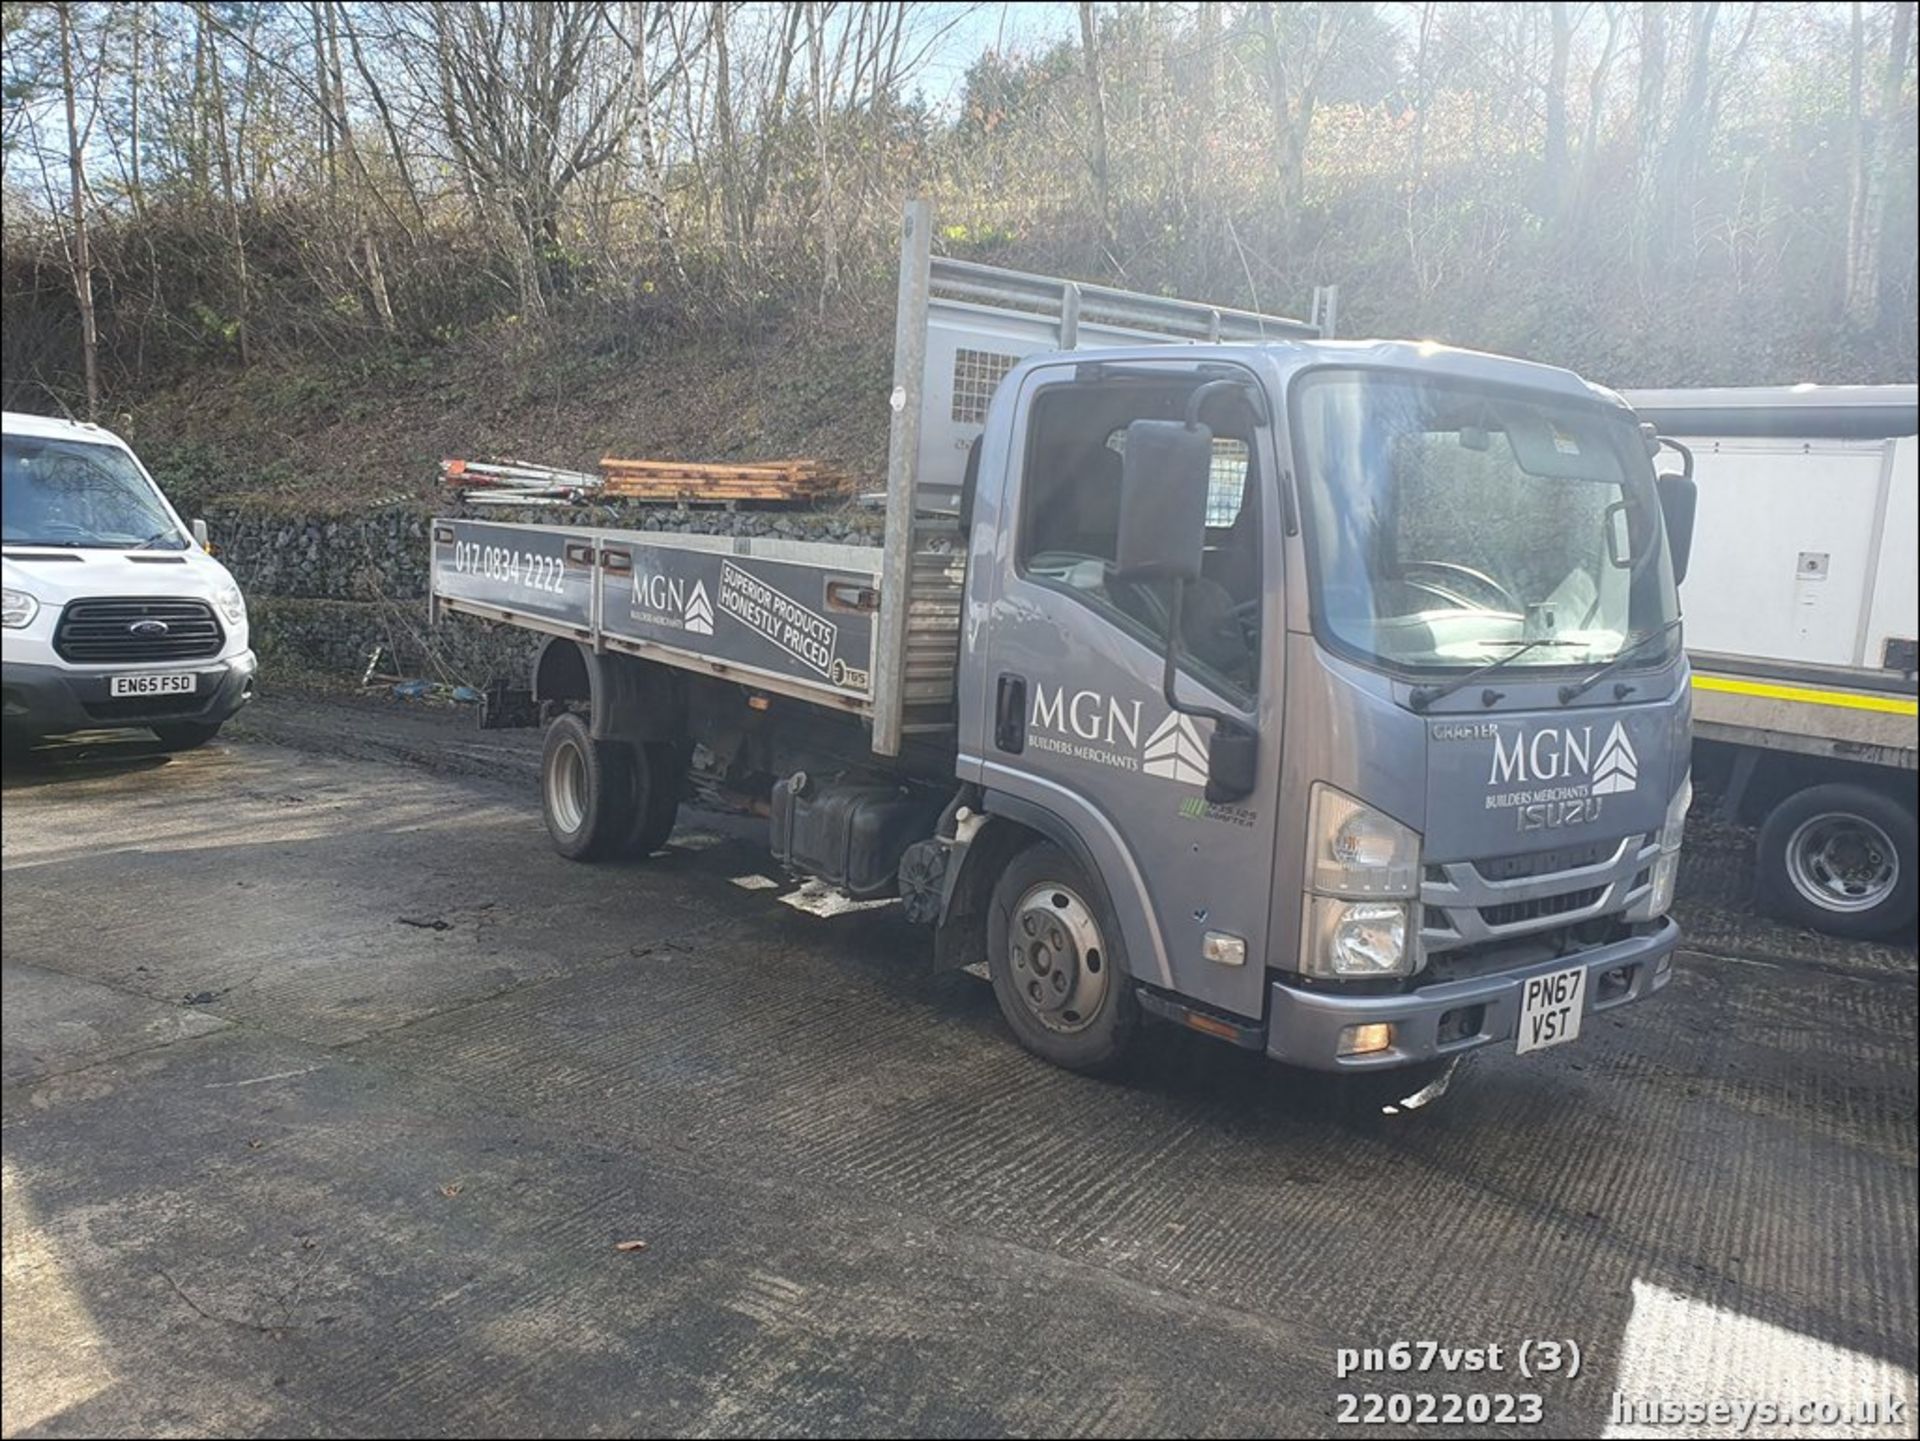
(682, 482)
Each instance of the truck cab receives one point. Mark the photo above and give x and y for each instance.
(1427, 605)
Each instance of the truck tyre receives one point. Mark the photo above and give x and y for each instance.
(585, 790)
(1840, 858)
(1059, 973)
(185, 735)
(659, 772)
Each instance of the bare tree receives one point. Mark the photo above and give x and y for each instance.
(1298, 42)
(1873, 146)
(1558, 166)
(82, 255)
(1097, 159)
(1648, 127)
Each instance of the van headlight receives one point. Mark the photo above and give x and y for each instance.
(232, 604)
(1363, 882)
(17, 608)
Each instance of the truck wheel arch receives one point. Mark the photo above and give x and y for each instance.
(1012, 824)
(628, 698)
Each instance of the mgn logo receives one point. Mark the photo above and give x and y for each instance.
(1174, 751)
(669, 600)
(1618, 769)
(698, 611)
(1088, 725)
(1566, 754)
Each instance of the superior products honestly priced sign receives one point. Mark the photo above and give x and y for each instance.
(744, 610)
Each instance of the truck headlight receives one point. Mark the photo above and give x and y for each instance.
(1666, 866)
(232, 604)
(1363, 883)
(17, 608)
(1357, 850)
(1674, 828)
(1350, 939)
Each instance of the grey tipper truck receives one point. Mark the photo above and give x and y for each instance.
(1324, 697)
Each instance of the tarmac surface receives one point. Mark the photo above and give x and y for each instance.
(332, 1095)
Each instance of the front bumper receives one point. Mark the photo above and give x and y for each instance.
(45, 700)
(1304, 1026)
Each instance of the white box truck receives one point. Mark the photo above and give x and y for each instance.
(1801, 619)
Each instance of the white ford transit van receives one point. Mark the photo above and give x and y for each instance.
(114, 613)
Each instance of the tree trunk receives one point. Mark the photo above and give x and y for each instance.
(1647, 116)
(650, 176)
(218, 95)
(1596, 104)
(1863, 261)
(1097, 110)
(829, 248)
(724, 134)
(1557, 163)
(137, 192)
(82, 260)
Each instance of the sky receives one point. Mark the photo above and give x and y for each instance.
(1010, 25)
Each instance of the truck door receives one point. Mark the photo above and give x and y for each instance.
(1077, 724)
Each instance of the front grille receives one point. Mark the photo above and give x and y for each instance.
(97, 632)
(1516, 911)
(1542, 863)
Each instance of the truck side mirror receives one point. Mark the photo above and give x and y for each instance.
(200, 535)
(1163, 501)
(1233, 762)
(1678, 496)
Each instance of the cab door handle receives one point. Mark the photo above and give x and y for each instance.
(1010, 714)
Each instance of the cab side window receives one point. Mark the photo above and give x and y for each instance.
(1070, 526)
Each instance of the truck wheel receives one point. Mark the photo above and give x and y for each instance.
(1055, 958)
(1841, 859)
(185, 735)
(659, 772)
(585, 790)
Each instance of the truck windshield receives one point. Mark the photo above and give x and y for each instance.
(75, 493)
(1450, 526)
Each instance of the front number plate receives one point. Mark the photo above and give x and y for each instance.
(170, 683)
(1550, 1008)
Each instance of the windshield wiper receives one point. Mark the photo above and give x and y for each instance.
(153, 540)
(1573, 690)
(1422, 696)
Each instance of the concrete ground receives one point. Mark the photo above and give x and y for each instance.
(331, 1096)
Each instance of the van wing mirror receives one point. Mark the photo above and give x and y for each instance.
(200, 535)
(1163, 501)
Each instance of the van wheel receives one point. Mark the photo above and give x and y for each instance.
(1055, 957)
(185, 735)
(659, 773)
(585, 790)
(1841, 859)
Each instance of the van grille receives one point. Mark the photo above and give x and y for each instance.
(101, 632)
